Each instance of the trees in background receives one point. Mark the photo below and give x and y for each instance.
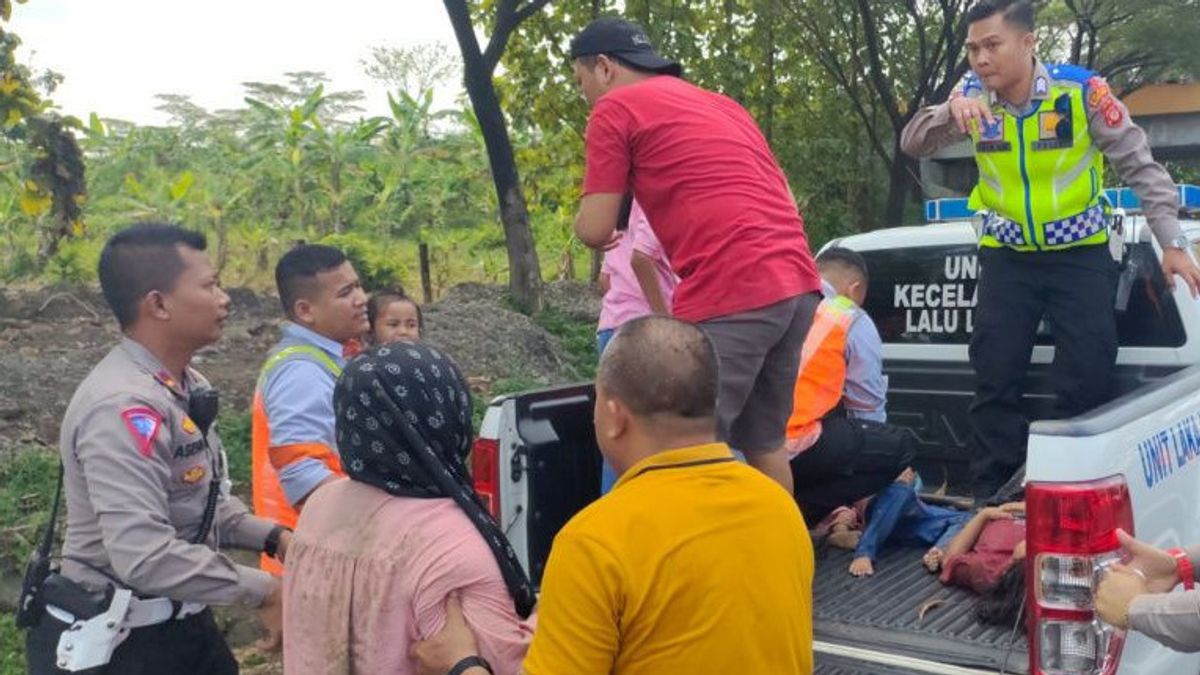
(491, 183)
(52, 184)
(479, 67)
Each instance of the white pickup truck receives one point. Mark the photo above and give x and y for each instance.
(1133, 463)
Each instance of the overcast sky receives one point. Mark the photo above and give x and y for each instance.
(117, 54)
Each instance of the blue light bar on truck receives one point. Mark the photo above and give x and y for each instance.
(942, 210)
(945, 210)
(1124, 198)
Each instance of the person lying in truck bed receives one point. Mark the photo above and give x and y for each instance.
(899, 515)
(981, 552)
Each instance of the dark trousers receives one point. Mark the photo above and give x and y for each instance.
(193, 645)
(1075, 290)
(852, 459)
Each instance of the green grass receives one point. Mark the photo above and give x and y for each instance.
(12, 646)
(235, 436)
(29, 477)
(577, 337)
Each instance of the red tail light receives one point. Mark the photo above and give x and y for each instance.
(485, 472)
(1071, 535)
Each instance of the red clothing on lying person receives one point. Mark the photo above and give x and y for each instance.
(981, 568)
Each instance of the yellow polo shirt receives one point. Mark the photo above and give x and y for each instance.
(694, 563)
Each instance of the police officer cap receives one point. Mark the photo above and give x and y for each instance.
(618, 37)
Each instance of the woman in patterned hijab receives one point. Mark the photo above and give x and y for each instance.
(404, 426)
(375, 557)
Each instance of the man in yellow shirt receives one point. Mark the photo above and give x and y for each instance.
(693, 563)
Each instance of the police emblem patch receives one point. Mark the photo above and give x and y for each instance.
(143, 424)
(1048, 125)
(189, 426)
(992, 131)
(1040, 87)
(194, 475)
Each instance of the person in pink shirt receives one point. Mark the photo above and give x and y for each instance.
(637, 281)
(636, 278)
(376, 555)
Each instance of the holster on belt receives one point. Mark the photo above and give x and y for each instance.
(72, 597)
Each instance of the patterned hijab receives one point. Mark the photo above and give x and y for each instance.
(404, 426)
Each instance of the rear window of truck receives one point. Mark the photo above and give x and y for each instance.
(926, 295)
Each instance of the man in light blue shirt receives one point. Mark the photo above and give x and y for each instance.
(864, 393)
(298, 394)
(294, 445)
(843, 449)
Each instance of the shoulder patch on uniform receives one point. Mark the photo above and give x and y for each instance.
(143, 424)
(1098, 92)
(1113, 115)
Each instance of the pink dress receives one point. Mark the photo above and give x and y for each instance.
(368, 573)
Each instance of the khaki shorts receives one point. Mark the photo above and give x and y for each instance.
(758, 355)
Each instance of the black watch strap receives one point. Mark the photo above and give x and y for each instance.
(470, 662)
(271, 545)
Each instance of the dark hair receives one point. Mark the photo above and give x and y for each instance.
(589, 61)
(1017, 12)
(657, 365)
(844, 257)
(143, 257)
(379, 301)
(1003, 603)
(298, 269)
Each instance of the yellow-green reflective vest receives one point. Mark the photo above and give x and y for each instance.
(1040, 175)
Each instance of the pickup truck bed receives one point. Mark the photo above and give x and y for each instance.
(883, 613)
(555, 458)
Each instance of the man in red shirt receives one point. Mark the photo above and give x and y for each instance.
(722, 209)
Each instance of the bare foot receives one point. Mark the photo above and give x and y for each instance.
(933, 560)
(862, 567)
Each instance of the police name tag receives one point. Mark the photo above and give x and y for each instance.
(1053, 144)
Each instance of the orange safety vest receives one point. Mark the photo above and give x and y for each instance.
(268, 497)
(822, 367)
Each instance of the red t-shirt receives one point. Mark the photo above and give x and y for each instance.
(713, 192)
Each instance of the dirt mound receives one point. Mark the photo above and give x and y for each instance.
(51, 337)
(478, 327)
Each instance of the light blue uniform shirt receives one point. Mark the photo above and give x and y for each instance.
(298, 397)
(864, 394)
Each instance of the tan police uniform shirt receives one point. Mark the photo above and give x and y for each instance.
(1114, 133)
(137, 475)
(1172, 619)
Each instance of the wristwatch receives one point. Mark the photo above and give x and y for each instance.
(1184, 568)
(271, 545)
(1181, 243)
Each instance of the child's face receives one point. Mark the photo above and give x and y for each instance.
(398, 322)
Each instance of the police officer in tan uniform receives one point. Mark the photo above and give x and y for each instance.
(146, 484)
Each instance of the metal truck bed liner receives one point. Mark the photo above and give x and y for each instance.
(882, 613)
